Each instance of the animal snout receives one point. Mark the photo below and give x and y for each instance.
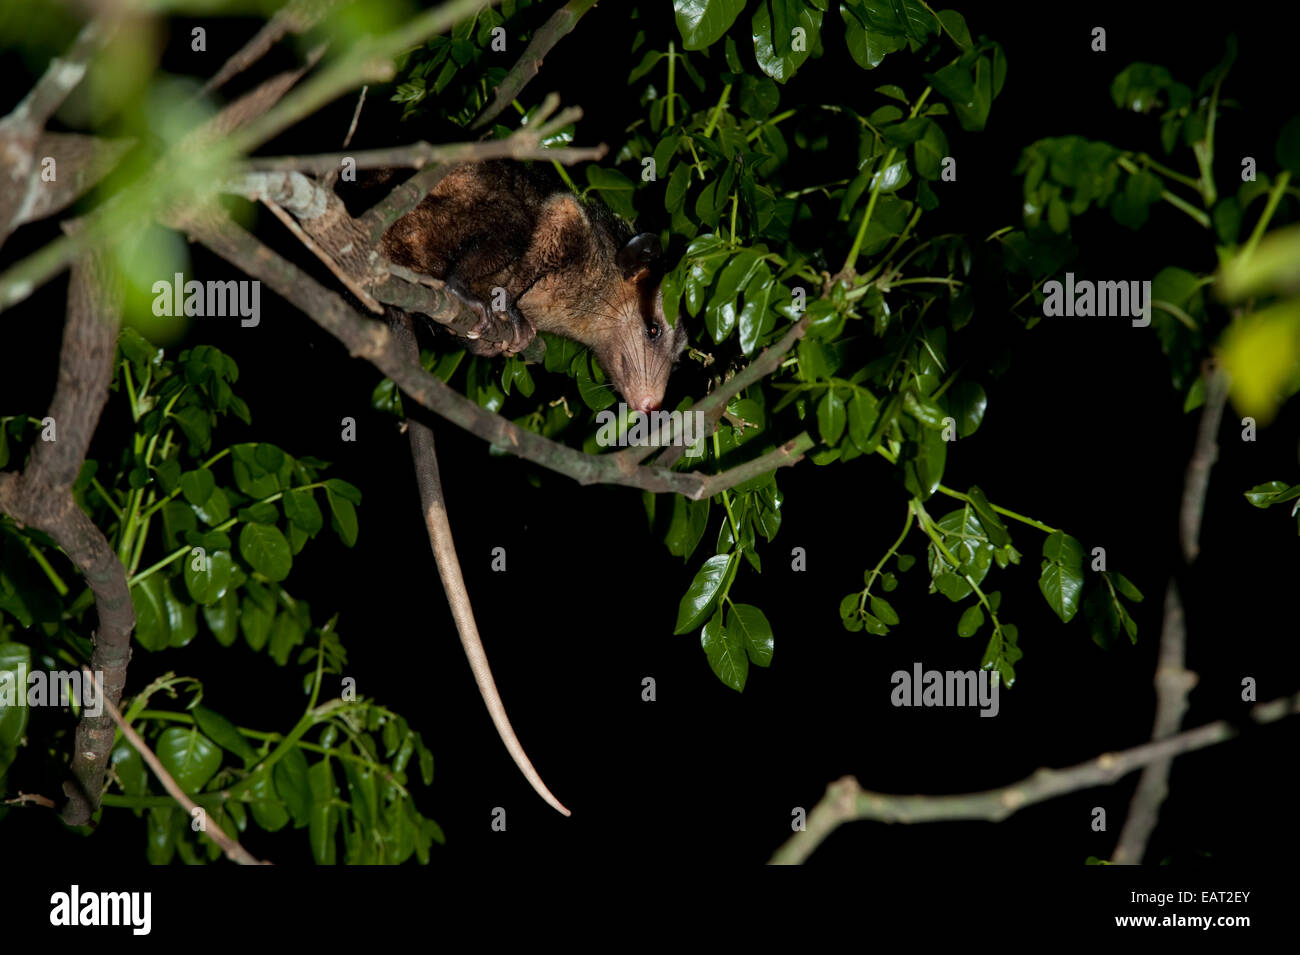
(647, 405)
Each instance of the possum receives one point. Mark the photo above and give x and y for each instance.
(509, 238)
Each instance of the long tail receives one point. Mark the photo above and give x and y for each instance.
(444, 552)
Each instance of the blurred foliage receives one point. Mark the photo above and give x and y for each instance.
(208, 536)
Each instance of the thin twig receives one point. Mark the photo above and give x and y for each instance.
(294, 17)
(713, 405)
(233, 850)
(419, 155)
(560, 24)
(847, 801)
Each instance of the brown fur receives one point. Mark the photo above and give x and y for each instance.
(496, 230)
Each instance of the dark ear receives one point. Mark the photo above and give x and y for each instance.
(639, 255)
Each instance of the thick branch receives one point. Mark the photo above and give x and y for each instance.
(846, 801)
(41, 497)
(372, 341)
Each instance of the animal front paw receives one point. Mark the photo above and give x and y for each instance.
(522, 332)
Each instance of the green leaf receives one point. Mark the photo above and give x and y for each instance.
(15, 659)
(992, 524)
(1125, 586)
(250, 476)
(285, 635)
(615, 188)
(868, 43)
(325, 815)
(725, 652)
(152, 621)
(160, 845)
(697, 603)
(268, 809)
(971, 620)
(189, 756)
(881, 608)
(954, 24)
(874, 625)
(758, 295)
(774, 25)
(751, 625)
(1288, 146)
(197, 426)
(223, 732)
(182, 618)
(349, 492)
(923, 471)
(965, 539)
(343, 517)
(703, 22)
(293, 786)
(255, 621)
(831, 416)
(862, 418)
(266, 550)
(302, 510)
(129, 767)
(211, 580)
(1274, 492)
(197, 486)
(930, 151)
(967, 401)
(222, 618)
(1062, 574)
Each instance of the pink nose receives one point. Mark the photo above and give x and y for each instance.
(647, 405)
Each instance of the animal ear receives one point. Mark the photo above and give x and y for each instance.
(639, 256)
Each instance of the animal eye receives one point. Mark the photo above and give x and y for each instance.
(653, 331)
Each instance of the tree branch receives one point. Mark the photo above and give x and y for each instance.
(847, 801)
(21, 131)
(295, 17)
(231, 847)
(186, 172)
(41, 497)
(418, 155)
(560, 24)
(1173, 681)
(713, 405)
(372, 341)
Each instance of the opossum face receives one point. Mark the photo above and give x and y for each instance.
(640, 348)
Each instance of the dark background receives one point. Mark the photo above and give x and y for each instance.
(1084, 433)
